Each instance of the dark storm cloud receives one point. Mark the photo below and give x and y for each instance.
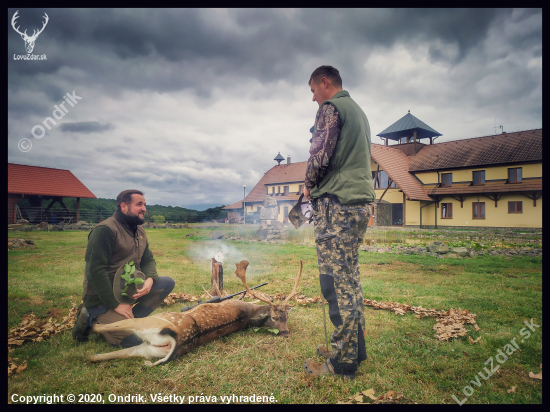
(203, 99)
(86, 127)
(243, 43)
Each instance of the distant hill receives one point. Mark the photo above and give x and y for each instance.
(107, 207)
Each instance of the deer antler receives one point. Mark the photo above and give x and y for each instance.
(241, 274)
(206, 291)
(34, 36)
(294, 291)
(15, 17)
(34, 33)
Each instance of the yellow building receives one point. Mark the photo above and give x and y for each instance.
(490, 181)
(284, 182)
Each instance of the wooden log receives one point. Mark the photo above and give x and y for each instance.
(216, 283)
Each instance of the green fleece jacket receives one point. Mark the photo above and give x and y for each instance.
(102, 244)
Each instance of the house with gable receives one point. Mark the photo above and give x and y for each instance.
(285, 183)
(488, 181)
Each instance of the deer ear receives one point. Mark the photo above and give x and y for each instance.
(290, 308)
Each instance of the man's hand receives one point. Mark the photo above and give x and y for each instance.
(145, 289)
(125, 310)
(306, 193)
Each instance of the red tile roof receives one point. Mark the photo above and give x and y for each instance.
(45, 181)
(292, 173)
(394, 163)
(505, 148)
(236, 205)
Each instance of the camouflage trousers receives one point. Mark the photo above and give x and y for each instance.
(339, 231)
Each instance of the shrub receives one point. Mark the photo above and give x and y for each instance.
(158, 219)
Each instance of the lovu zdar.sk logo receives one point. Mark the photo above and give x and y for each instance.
(29, 40)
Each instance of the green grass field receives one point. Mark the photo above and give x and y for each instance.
(403, 354)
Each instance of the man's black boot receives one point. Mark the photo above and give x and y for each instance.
(347, 371)
(81, 330)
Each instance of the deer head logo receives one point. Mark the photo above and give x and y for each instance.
(29, 40)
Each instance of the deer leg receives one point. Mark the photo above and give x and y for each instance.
(133, 352)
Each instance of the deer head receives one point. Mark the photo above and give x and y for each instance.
(278, 315)
(29, 40)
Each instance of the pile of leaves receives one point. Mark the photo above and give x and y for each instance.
(368, 397)
(32, 329)
(36, 330)
(182, 297)
(450, 323)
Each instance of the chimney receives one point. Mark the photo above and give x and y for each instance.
(288, 160)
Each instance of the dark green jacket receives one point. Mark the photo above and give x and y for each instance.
(349, 175)
(111, 244)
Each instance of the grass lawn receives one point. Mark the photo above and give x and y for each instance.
(403, 353)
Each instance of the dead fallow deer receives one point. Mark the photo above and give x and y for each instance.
(171, 334)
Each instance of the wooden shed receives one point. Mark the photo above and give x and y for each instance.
(38, 183)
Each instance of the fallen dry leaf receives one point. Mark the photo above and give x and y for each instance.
(473, 341)
(390, 395)
(537, 376)
(370, 393)
(14, 368)
(21, 367)
(477, 327)
(450, 323)
(465, 353)
(512, 390)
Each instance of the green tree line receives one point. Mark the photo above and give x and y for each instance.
(107, 207)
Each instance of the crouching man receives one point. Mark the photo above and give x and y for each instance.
(116, 241)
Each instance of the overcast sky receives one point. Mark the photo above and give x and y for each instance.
(189, 105)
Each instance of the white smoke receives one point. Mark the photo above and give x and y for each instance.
(203, 252)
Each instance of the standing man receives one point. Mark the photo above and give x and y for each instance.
(339, 182)
(111, 244)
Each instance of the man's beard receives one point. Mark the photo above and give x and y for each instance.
(135, 219)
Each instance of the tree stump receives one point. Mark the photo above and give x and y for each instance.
(217, 278)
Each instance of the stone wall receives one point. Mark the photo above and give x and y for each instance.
(234, 216)
(442, 250)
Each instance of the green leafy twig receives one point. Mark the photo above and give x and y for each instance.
(274, 331)
(129, 269)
